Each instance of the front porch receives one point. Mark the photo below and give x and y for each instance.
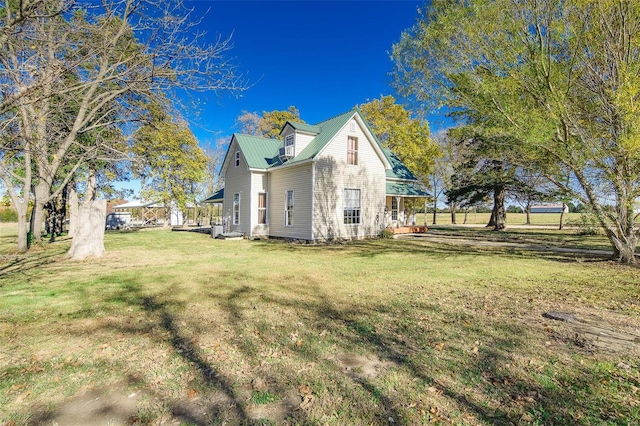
(400, 209)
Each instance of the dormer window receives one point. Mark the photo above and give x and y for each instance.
(237, 158)
(289, 142)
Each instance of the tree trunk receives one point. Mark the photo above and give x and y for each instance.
(23, 227)
(561, 218)
(623, 248)
(498, 214)
(41, 193)
(89, 236)
(62, 216)
(435, 210)
(527, 210)
(73, 210)
(452, 206)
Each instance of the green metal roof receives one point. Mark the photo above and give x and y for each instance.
(263, 153)
(398, 169)
(405, 189)
(303, 127)
(260, 153)
(328, 130)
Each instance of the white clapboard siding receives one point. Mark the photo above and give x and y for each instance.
(333, 175)
(237, 181)
(298, 179)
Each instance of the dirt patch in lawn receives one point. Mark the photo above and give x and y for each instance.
(113, 406)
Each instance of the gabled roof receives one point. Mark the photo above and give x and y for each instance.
(260, 153)
(263, 153)
(302, 127)
(328, 130)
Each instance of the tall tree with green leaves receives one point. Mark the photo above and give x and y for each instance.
(560, 80)
(171, 163)
(408, 137)
(269, 124)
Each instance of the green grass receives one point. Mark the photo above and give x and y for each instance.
(452, 334)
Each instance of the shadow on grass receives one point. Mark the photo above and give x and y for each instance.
(434, 248)
(432, 368)
(21, 263)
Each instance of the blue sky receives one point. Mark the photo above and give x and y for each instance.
(323, 57)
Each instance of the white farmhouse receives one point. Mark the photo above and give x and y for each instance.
(332, 180)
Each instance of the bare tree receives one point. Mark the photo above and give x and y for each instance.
(84, 73)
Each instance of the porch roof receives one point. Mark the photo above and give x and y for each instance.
(217, 197)
(405, 189)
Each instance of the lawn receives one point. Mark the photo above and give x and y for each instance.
(202, 331)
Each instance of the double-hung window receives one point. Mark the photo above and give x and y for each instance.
(352, 150)
(262, 208)
(236, 209)
(237, 158)
(351, 206)
(288, 208)
(289, 143)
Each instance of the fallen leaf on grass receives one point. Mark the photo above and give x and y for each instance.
(439, 346)
(306, 402)
(192, 393)
(305, 390)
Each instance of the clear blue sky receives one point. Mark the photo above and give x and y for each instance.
(323, 57)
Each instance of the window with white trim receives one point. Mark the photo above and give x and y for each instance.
(289, 143)
(236, 209)
(262, 208)
(351, 206)
(237, 158)
(394, 208)
(352, 150)
(352, 125)
(288, 208)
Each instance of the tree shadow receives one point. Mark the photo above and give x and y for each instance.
(414, 337)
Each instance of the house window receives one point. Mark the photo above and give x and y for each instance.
(352, 125)
(394, 208)
(289, 142)
(351, 206)
(262, 208)
(236, 209)
(237, 158)
(288, 208)
(352, 150)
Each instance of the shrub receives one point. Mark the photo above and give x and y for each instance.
(586, 223)
(8, 215)
(386, 233)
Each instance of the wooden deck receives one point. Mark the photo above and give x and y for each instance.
(408, 230)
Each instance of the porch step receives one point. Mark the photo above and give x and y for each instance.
(409, 230)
